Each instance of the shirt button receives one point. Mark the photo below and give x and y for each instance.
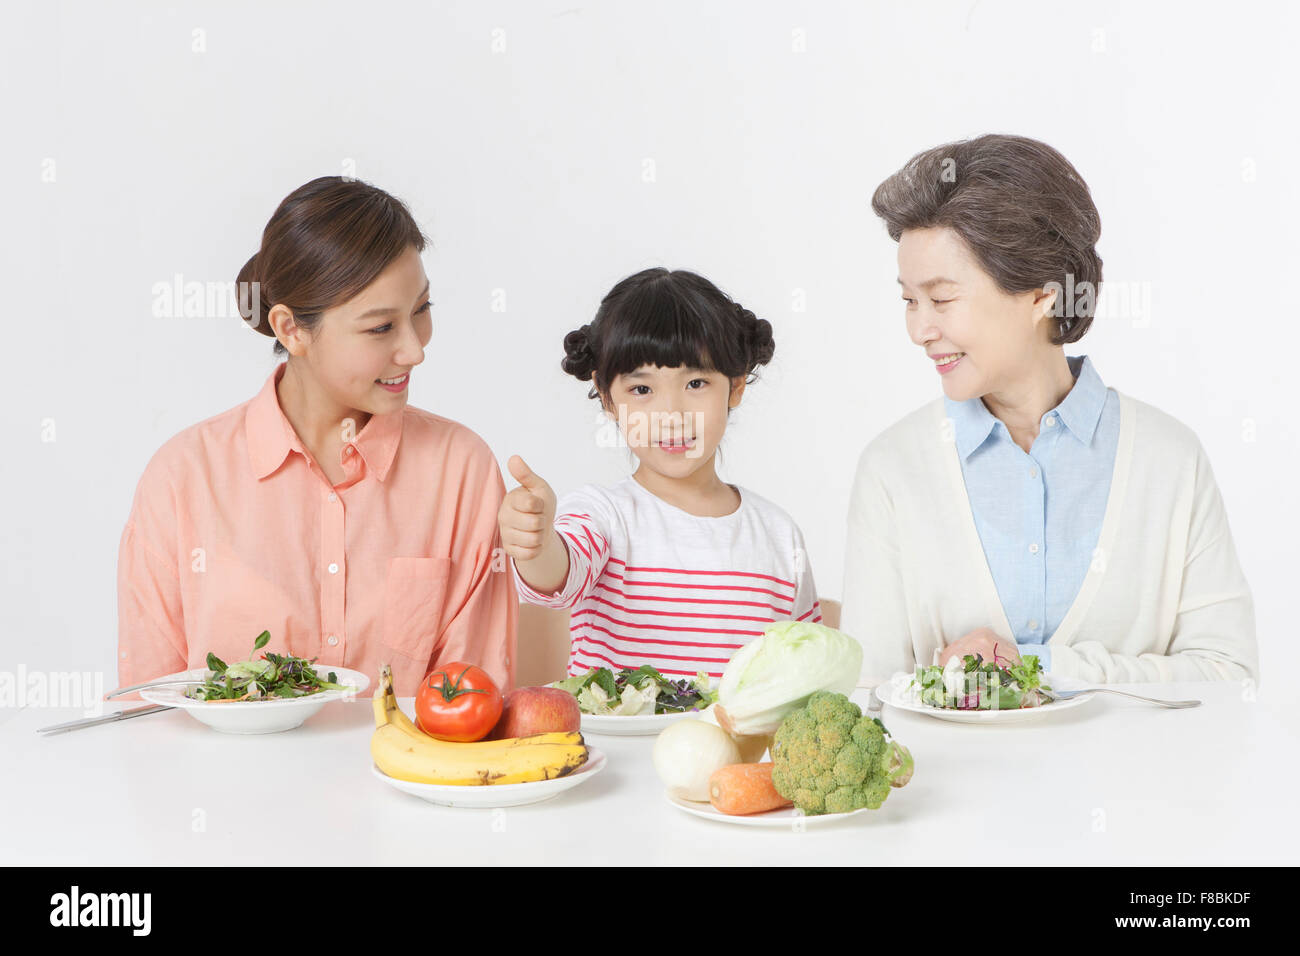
(331, 640)
(334, 568)
(348, 450)
(1051, 420)
(1033, 472)
(1033, 548)
(333, 497)
(1033, 625)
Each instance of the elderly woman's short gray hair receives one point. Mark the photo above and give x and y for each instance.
(1023, 210)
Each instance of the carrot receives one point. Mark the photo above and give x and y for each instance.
(741, 788)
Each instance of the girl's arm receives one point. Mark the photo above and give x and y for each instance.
(525, 519)
(806, 605)
(549, 571)
(582, 531)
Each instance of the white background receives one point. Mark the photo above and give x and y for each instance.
(519, 133)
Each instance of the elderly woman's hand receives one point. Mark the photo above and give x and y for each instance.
(983, 641)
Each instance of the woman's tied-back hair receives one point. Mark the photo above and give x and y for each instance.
(327, 241)
(1022, 209)
(669, 319)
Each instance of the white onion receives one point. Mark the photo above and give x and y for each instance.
(687, 752)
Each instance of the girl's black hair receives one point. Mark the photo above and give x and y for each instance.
(668, 319)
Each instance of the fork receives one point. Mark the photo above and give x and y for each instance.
(156, 683)
(1054, 695)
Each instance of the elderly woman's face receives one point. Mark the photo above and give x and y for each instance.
(955, 307)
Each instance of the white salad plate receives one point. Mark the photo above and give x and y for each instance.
(898, 692)
(638, 725)
(254, 716)
(500, 794)
(787, 818)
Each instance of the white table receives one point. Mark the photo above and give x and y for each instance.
(1110, 782)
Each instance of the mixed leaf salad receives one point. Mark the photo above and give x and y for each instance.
(640, 692)
(973, 683)
(273, 676)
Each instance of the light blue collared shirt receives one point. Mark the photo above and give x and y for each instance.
(1039, 513)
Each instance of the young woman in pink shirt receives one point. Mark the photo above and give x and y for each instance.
(357, 529)
(672, 566)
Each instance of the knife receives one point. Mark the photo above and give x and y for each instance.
(107, 718)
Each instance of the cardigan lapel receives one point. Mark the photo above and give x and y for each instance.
(993, 610)
(1109, 525)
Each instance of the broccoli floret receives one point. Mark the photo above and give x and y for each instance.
(828, 758)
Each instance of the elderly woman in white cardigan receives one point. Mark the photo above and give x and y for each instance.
(1030, 508)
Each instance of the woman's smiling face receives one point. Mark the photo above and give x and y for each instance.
(673, 418)
(954, 306)
(380, 333)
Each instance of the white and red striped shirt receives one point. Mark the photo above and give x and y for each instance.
(652, 584)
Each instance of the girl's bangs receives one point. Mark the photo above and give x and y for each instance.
(656, 330)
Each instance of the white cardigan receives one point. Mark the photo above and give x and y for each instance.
(1164, 600)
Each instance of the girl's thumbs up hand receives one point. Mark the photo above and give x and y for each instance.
(527, 514)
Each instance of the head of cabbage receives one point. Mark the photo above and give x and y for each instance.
(777, 673)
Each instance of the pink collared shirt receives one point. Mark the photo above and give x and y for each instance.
(234, 531)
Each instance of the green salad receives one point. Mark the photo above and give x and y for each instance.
(640, 692)
(973, 683)
(272, 677)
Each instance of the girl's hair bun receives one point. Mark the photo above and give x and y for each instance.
(759, 343)
(579, 356)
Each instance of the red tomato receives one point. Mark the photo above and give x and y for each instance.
(457, 702)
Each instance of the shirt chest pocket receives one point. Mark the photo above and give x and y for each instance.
(415, 593)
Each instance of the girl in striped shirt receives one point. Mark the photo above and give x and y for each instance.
(670, 567)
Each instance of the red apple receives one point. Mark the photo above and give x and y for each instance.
(537, 710)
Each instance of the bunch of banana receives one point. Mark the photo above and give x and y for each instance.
(404, 752)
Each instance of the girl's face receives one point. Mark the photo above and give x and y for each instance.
(673, 418)
(380, 333)
(954, 306)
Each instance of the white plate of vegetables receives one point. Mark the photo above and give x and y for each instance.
(272, 693)
(972, 690)
(784, 695)
(635, 703)
(828, 761)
